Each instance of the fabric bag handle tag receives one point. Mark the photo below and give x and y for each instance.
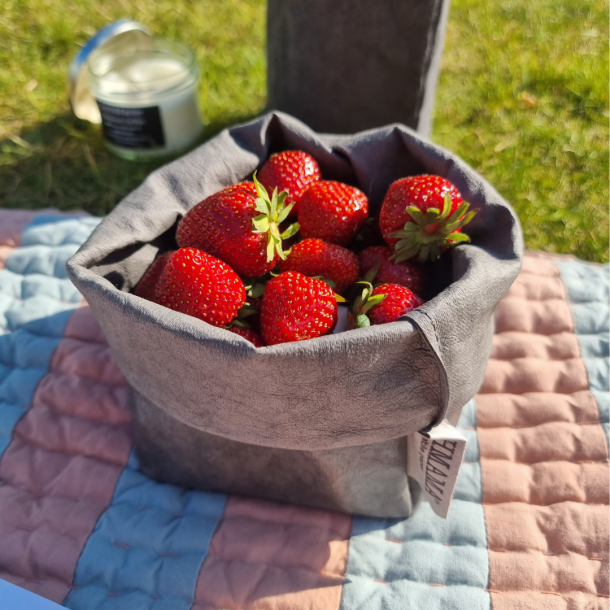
(434, 458)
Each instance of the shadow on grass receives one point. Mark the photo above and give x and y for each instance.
(64, 164)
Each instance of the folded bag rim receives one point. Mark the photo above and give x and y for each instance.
(487, 266)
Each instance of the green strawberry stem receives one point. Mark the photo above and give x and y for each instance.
(273, 211)
(256, 290)
(242, 314)
(362, 321)
(238, 323)
(324, 279)
(431, 231)
(364, 303)
(371, 274)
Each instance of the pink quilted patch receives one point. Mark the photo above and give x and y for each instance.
(535, 375)
(61, 468)
(12, 223)
(513, 345)
(540, 317)
(4, 254)
(544, 458)
(83, 325)
(267, 556)
(86, 359)
(531, 409)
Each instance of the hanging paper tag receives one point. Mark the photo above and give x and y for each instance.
(435, 455)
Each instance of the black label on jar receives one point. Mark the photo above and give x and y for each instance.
(132, 127)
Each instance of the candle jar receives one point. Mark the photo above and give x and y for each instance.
(146, 91)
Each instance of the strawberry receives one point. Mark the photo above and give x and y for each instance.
(377, 258)
(248, 334)
(296, 307)
(422, 216)
(293, 171)
(398, 301)
(332, 211)
(381, 305)
(239, 225)
(314, 257)
(202, 286)
(146, 286)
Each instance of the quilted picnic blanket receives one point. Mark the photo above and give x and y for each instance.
(80, 524)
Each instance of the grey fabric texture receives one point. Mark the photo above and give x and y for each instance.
(204, 396)
(342, 66)
(366, 479)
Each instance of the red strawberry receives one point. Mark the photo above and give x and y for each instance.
(314, 257)
(384, 304)
(202, 286)
(255, 303)
(398, 301)
(422, 216)
(293, 171)
(296, 307)
(408, 274)
(238, 225)
(332, 211)
(146, 287)
(248, 334)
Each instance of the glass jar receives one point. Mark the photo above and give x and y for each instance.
(147, 93)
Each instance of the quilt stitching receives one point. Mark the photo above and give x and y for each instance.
(514, 575)
(423, 561)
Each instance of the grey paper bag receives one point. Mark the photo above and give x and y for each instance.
(322, 422)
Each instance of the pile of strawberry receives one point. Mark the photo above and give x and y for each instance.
(233, 270)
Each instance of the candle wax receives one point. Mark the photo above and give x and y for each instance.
(141, 82)
(143, 74)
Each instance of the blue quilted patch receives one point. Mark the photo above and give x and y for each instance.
(49, 230)
(36, 300)
(147, 548)
(44, 260)
(425, 561)
(588, 291)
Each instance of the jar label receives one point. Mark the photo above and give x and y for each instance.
(132, 127)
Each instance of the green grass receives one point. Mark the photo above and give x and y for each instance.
(523, 98)
(48, 158)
